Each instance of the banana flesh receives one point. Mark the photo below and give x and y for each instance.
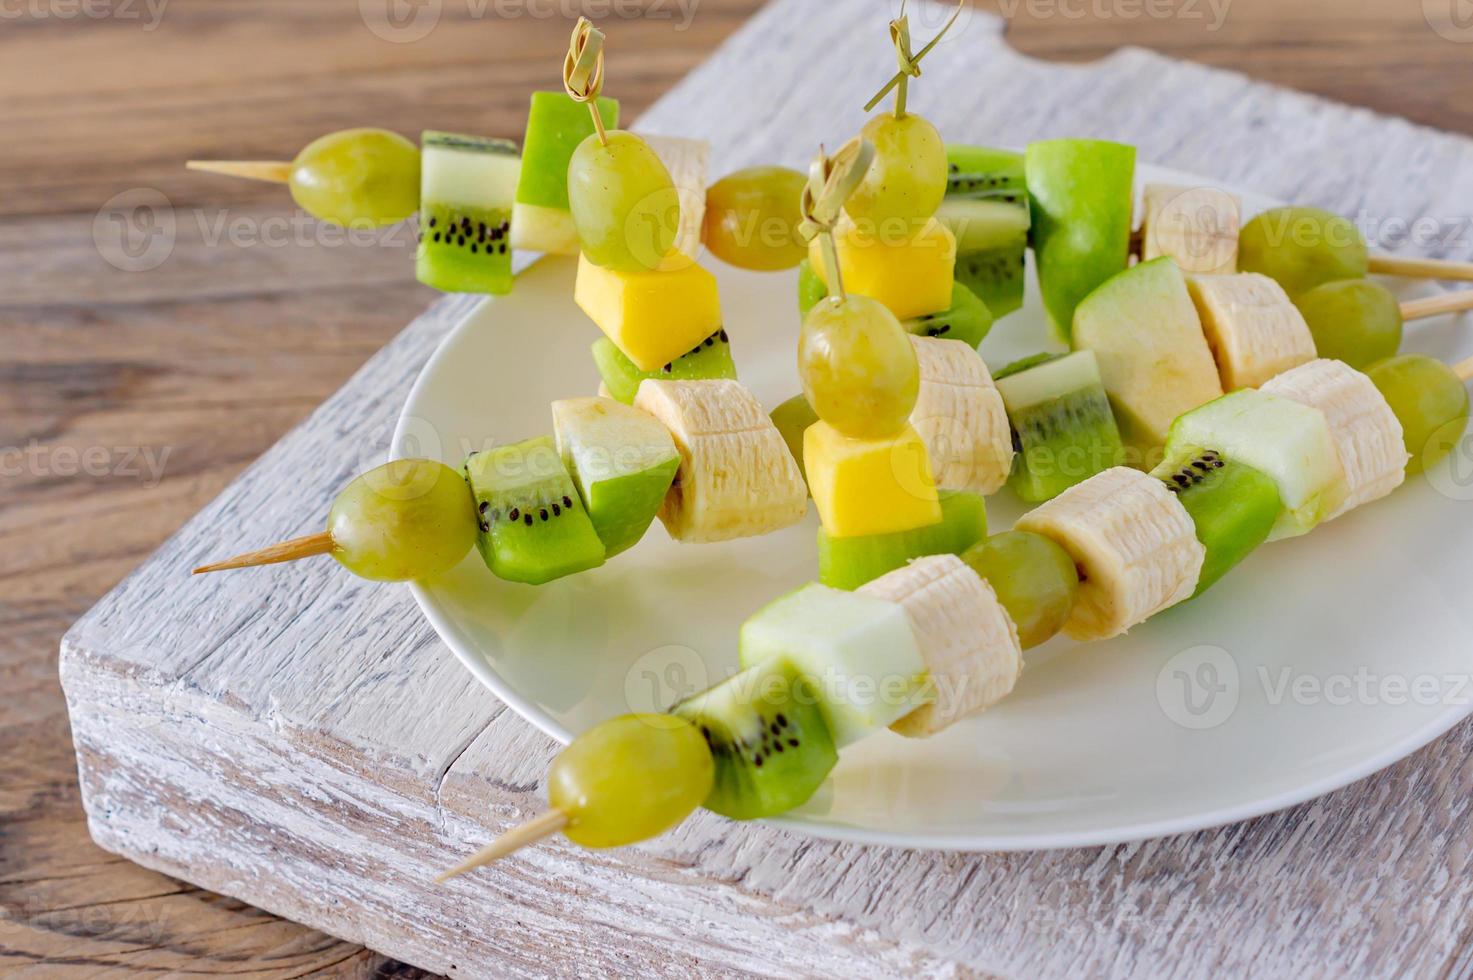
(736, 477)
(686, 160)
(1133, 542)
(1254, 330)
(960, 416)
(1196, 226)
(1366, 432)
(967, 639)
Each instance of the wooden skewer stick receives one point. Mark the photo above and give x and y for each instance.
(272, 171)
(1420, 309)
(304, 547)
(515, 839)
(1464, 370)
(1386, 265)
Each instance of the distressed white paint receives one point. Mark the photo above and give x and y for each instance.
(299, 738)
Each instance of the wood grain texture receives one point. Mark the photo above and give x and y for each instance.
(197, 366)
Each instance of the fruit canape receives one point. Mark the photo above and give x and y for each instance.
(943, 635)
(1255, 433)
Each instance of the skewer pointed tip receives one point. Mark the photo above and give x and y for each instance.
(513, 840)
(304, 547)
(271, 171)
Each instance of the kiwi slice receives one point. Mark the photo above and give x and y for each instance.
(710, 359)
(967, 319)
(533, 525)
(995, 276)
(986, 206)
(467, 184)
(848, 563)
(769, 740)
(1232, 505)
(1064, 431)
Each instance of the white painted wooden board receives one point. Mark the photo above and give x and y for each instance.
(300, 739)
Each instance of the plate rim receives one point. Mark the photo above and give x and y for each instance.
(961, 841)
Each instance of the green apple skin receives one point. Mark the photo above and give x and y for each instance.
(622, 508)
(1082, 195)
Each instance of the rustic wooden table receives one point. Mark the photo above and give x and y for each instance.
(130, 398)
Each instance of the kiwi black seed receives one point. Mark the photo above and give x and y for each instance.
(1195, 471)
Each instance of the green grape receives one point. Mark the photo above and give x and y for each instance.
(1354, 320)
(858, 368)
(752, 219)
(907, 179)
(1302, 248)
(630, 778)
(357, 176)
(1034, 580)
(1429, 400)
(408, 519)
(624, 204)
(792, 418)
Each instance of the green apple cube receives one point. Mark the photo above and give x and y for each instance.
(1083, 195)
(1288, 442)
(622, 461)
(858, 651)
(1153, 356)
(466, 189)
(541, 221)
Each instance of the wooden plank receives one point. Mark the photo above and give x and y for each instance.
(320, 755)
(93, 108)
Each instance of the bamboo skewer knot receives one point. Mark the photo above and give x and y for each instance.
(583, 70)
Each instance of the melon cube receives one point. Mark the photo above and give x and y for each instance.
(653, 316)
(909, 273)
(869, 486)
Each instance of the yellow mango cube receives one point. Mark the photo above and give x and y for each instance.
(909, 273)
(869, 486)
(652, 316)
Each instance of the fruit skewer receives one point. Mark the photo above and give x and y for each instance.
(1143, 544)
(387, 505)
(1308, 246)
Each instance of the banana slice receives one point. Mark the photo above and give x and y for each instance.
(1254, 329)
(1196, 226)
(1135, 546)
(736, 477)
(686, 161)
(1366, 432)
(966, 637)
(960, 416)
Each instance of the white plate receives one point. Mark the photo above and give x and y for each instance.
(1318, 662)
